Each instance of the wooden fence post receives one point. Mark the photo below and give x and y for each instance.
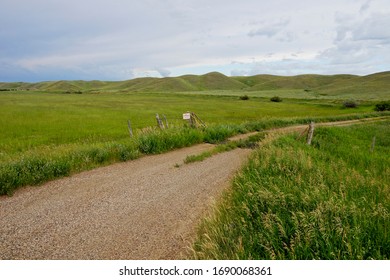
(373, 144)
(159, 122)
(310, 134)
(166, 121)
(129, 127)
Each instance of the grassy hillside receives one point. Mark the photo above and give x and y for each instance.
(330, 200)
(370, 87)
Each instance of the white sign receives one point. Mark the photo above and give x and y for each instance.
(186, 116)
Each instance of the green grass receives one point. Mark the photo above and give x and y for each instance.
(249, 143)
(59, 134)
(330, 200)
(33, 121)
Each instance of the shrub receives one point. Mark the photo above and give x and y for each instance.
(383, 106)
(350, 104)
(244, 97)
(276, 99)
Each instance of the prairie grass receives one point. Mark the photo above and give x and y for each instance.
(34, 169)
(330, 200)
(34, 120)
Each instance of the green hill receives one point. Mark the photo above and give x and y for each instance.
(269, 82)
(374, 86)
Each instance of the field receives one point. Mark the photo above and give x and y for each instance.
(330, 200)
(46, 135)
(37, 120)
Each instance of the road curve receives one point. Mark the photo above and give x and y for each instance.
(141, 209)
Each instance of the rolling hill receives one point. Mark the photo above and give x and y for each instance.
(321, 85)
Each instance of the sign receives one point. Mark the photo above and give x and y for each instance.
(186, 116)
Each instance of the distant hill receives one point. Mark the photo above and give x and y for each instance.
(325, 85)
(269, 82)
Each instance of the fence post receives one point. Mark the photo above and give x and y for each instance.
(373, 144)
(159, 122)
(310, 134)
(166, 121)
(129, 127)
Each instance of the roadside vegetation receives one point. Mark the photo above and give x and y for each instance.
(250, 143)
(330, 200)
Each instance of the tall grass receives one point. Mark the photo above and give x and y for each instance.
(330, 200)
(33, 169)
(155, 141)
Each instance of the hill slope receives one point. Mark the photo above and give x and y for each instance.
(325, 85)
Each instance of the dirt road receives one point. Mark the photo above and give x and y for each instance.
(141, 209)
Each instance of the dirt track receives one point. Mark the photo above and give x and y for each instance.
(142, 209)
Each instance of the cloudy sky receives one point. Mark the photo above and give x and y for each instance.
(122, 39)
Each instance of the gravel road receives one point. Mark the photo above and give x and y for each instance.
(141, 209)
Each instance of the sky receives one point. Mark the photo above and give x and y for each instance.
(111, 40)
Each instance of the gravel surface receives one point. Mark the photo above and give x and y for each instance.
(141, 209)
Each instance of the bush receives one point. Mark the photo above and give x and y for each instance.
(350, 104)
(276, 99)
(383, 106)
(244, 97)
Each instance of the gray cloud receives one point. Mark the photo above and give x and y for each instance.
(365, 7)
(269, 29)
(361, 43)
(373, 28)
(121, 39)
(163, 72)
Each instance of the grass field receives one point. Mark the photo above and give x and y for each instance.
(50, 135)
(330, 200)
(38, 120)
